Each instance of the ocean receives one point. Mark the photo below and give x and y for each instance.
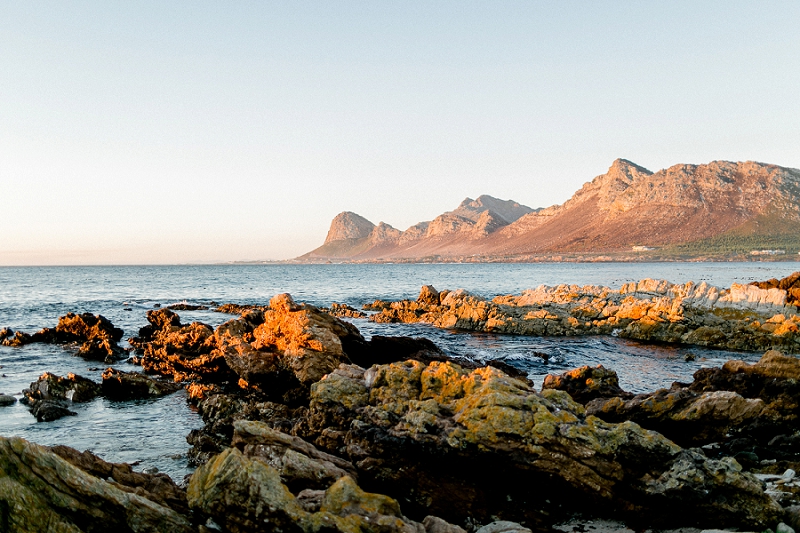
(151, 433)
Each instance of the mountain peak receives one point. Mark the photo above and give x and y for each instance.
(349, 225)
(508, 210)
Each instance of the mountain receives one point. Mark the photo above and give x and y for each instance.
(719, 207)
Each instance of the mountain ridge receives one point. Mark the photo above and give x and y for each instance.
(627, 206)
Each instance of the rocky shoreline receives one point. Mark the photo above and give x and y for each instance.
(744, 317)
(309, 427)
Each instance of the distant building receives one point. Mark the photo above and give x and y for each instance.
(642, 248)
(768, 252)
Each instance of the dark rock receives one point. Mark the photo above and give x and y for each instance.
(7, 400)
(384, 350)
(49, 410)
(792, 517)
(186, 307)
(119, 385)
(86, 326)
(434, 524)
(587, 383)
(72, 388)
(503, 527)
(343, 311)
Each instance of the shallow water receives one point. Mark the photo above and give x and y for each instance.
(153, 432)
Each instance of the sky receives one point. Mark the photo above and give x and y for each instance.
(191, 132)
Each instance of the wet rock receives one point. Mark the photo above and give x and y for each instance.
(10, 338)
(72, 388)
(792, 517)
(300, 464)
(49, 410)
(7, 400)
(183, 306)
(585, 384)
(158, 488)
(343, 311)
(416, 432)
(43, 492)
(223, 490)
(384, 350)
(119, 385)
(86, 326)
(96, 334)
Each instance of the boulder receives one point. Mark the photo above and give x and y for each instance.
(40, 491)
(428, 295)
(241, 494)
(453, 443)
(158, 488)
(119, 385)
(96, 334)
(5, 400)
(49, 396)
(300, 464)
(587, 383)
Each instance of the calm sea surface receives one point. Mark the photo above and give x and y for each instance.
(152, 433)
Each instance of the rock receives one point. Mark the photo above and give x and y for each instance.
(72, 388)
(343, 311)
(792, 517)
(383, 350)
(182, 352)
(119, 385)
(300, 464)
(225, 490)
(7, 400)
(49, 395)
(43, 492)
(686, 417)
(434, 524)
(86, 326)
(158, 488)
(416, 432)
(99, 337)
(586, 383)
(649, 310)
(783, 528)
(183, 306)
(428, 295)
(503, 527)
(49, 410)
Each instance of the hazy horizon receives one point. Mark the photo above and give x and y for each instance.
(155, 133)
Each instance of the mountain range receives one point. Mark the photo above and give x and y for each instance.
(720, 208)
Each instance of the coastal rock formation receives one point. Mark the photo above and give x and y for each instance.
(717, 208)
(119, 385)
(223, 490)
(452, 442)
(744, 317)
(790, 284)
(585, 384)
(97, 336)
(41, 491)
(49, 396)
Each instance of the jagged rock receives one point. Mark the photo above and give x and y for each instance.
(790, 284)
(585, 384)
(743, 317)
(428, 295)
(299, 463)
(158, 488)
(72, 388)
(119, 385)
(185, 353)
(416, 432)
(43, 492)
(343, 311)
(383, 350)
(99, 337)
(434, 524)
(49, 396)
(224, 490)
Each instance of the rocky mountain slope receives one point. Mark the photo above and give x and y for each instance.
(719, 207)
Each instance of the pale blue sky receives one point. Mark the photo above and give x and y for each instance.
(162, 132)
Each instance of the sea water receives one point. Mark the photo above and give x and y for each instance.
(151, 433)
